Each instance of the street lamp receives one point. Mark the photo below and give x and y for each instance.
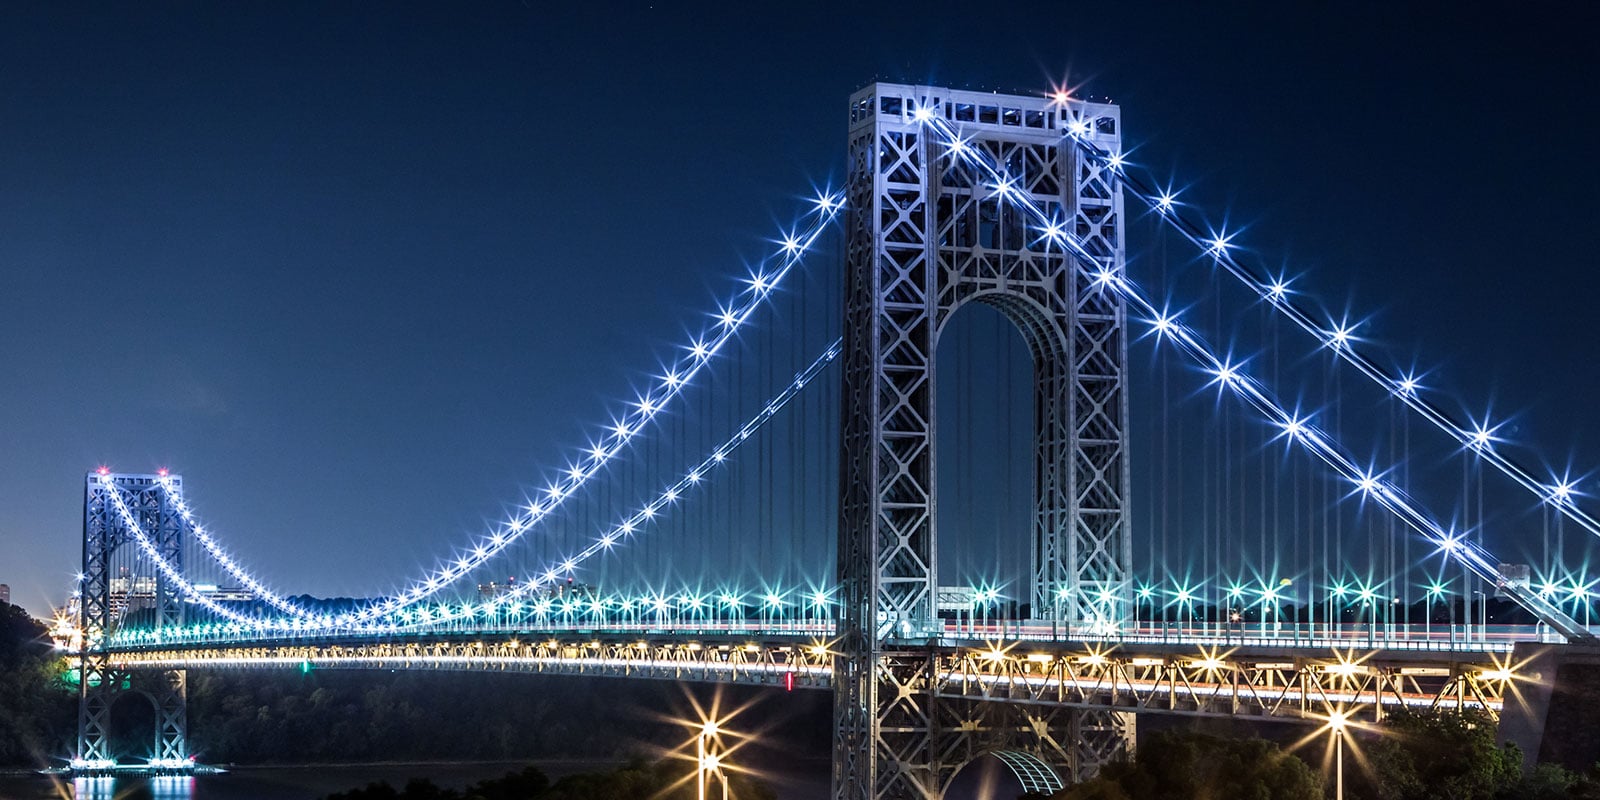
(1435, 591)
(773, 605)
(1580, 592)
(697, 608)
(1107, 616)
(1185, 598)
(819, 605)
(733, 608)
(1483, 617)
(1370, 609)
(1269, 601)
(1235, 615)
(708, 760)
(985, 598)
(1336, 624)
(1145, 592)
(1337, 721)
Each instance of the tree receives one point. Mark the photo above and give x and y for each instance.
(36, 705)
(1195, 765)
(1554, 782)
(637, 780)
(1436, 755)
(530, 782)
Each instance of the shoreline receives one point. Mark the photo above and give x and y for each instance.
(23, 772)
(431, 763)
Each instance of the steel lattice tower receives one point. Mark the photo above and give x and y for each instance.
(101, 609)
(925, 237)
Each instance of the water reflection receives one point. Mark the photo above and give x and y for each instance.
(166, 787)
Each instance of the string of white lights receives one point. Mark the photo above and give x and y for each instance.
(694, 477)
(185, 588)
(631, 526)
(223, 559)
(730, 318)
(1299, 429)
(1560, 493)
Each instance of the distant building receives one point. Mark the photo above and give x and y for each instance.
(225, 594)
(130, 593)
(491, 590)
(5, 593)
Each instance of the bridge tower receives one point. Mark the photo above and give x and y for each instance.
(119, 584)
(926, 236)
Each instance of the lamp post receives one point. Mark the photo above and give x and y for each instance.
(1144, 594)
(1369, 608)
(1483, 617)
(985, 598)
(1579, 592)
(1269, 602)
(1337, 722)
(1336, 609)
(706, 761)
(1185, 599)
(697, 607)
(773, 604)
(1452, 605)
(1434, 592)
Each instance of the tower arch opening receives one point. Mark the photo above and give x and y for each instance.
(987, 353)
(1002, 773)
(133, 726)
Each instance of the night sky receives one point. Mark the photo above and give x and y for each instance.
(364, 273)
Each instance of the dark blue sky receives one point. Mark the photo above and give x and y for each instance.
(361, 272)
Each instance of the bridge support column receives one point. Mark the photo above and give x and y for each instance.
(1557, 694)
(119, 584)
(922, 739)
(926, 235)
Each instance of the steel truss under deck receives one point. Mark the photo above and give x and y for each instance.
(1281, 684)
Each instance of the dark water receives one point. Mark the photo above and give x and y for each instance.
(798, 782)
(797, 779)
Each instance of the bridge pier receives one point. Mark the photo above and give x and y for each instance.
(102, 685)
(1555, 698)
(113, 588)
(922, 739)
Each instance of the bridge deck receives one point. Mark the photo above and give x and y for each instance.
(1243, 678)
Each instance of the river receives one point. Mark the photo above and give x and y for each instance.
(799, 781)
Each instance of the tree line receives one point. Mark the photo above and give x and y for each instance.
(1411, 755)
(667, 779)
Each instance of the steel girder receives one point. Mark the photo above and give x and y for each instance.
(926, 236)
(803, 665)
(968, 682)
(101, 681)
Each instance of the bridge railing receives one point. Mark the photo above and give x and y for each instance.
(1350, 636)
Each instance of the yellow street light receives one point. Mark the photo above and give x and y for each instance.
(1337, 722)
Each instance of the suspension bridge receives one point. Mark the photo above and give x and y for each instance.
(1195, 525)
